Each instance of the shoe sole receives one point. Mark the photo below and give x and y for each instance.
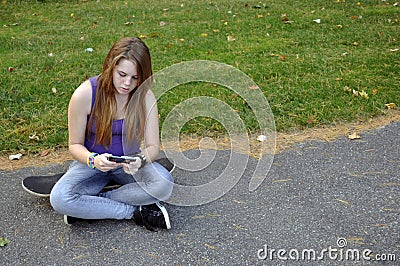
(66, 220)
(34, 193)
(165, 213)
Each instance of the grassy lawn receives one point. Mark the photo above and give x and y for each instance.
(344, 68)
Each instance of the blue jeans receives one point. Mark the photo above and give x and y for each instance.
(78, 192)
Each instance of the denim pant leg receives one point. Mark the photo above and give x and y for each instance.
(77, 194)
(152, 183)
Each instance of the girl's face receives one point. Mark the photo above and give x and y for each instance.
(125, 77)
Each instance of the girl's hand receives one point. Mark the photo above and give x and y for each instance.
(102, 163)
(132, 167)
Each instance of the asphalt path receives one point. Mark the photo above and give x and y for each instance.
(322, 203)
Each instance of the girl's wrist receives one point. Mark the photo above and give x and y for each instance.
(143, 159)
(90, 160)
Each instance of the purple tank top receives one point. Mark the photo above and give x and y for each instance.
(117, 146)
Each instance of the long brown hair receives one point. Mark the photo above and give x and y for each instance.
(105, 106)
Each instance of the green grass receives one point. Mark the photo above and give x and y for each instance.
(301, 67)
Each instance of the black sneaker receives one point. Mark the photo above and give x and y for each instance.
(69, 220)
(152, 216)
(166, 163)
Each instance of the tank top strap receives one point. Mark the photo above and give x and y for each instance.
(93, 82)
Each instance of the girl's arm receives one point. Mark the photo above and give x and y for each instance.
(151, 133)
(78, 110)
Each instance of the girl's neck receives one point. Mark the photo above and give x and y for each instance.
(121, 101)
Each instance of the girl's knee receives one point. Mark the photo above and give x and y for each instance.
(60, 200)
(163, 188)
(56, 200)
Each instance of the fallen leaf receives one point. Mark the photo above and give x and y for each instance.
(364, 94)
(204, 35)
(375, 91)
(253, 87)
(390, 184)
(288, 21)
(390, 210)
(230, 38)
(151, 254)
(390, 105)
(15, 156)
(209, 246)
(34, 137)
(44, 153)
(4, 241)
(238, 227)
(354, 136)
(343, 201)
(380, 225)
(285, 19)
(354, 238)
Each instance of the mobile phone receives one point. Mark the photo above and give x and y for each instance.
(122, 159)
